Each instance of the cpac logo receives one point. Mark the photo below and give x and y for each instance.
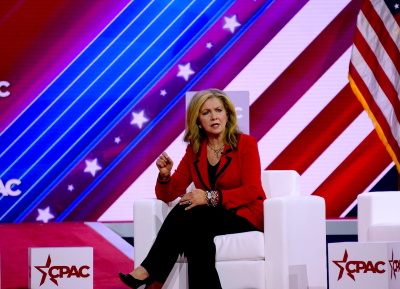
(355, 267)
(238, 110)
(7, 189)
(56, 272)
(4, 92)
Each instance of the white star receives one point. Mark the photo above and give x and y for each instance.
(231, 23)
(396, 6)
(117, 140)
(71, 188)
(92, 167)
(44, 215)
(185, 71)
(163, 92)
(139, 119)
(209, 45)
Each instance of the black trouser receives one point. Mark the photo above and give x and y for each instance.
(192, 232)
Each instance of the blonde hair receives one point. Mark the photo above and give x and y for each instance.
(196, 135)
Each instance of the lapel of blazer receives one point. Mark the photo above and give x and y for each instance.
(201, 165)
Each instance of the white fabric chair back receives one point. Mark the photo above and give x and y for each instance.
(281, 183)
(379, 216)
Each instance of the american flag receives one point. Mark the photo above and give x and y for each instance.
(375, 69)
(93, 92)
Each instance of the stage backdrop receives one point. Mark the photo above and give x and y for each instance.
(92, 92)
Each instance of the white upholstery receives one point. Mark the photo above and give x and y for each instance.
(242, 246)
(379, 216)
(290, 254)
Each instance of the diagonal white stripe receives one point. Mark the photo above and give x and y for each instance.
(368, 189)
(336, 153)
(291, 41)
(304, 111)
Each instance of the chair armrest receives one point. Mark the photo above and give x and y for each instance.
(148, 216)
(376, 208)
(295, 234)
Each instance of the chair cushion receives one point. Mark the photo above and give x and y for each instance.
(240, 246)
(384, 232)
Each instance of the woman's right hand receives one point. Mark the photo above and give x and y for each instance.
(164, 164)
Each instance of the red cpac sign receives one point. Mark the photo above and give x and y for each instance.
(352, 267)
(59, 272)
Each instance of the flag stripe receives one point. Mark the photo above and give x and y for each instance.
(382, 126)
(380, 41)
(374, 70)
(379, 17)
(385, 83)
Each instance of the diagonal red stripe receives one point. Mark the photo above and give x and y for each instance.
(320, 133)
(291, 85)
(353, 175)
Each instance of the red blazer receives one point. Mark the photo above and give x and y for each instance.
(238, 179)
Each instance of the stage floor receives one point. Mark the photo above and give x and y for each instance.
(112, 254)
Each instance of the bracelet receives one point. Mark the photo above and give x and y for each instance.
(212, 198)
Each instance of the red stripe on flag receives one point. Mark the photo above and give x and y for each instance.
(374, 72)
(386, 41)
(374, 109)
(381, 77)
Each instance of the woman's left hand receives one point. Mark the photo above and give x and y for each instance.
(196, 197)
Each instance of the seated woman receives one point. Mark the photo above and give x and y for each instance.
(224, 165)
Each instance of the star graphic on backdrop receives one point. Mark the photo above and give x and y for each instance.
(209, 45)
(71, 188)
(92, 167)
(163, 92)
(44, 215)
(185, 71)
(117, 140)
(396, 6)
(231, 23)
(139, 118)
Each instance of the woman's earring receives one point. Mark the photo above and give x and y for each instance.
(199, 126)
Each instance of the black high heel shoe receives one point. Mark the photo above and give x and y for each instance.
(134, 283)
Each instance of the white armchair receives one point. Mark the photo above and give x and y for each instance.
(379, 216)
(291, 253)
